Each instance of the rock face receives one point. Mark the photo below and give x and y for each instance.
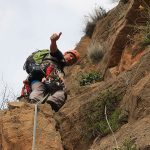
(124, 91)
(17, 128)
(127, 74)
(138, 132)
(118, 32)
(136, 103)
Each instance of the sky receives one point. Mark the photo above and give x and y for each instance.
(26, 25)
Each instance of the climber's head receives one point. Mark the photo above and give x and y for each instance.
(71, 57)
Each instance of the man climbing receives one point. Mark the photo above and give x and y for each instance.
(47, 77)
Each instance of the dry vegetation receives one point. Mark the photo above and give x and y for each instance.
(91, 20)
(95, 52)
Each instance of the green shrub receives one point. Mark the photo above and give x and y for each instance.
(92, 19)
(95, 52)
(95, 122)
(90, 78)
(127, 145)
(146, 39)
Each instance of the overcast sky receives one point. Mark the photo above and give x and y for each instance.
(26, 25)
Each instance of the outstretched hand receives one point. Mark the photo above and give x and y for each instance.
(55, 37)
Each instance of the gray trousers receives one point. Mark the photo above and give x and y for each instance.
(38, 90)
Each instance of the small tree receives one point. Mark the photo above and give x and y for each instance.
(6, 94)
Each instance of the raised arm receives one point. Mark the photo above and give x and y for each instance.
(53, 45)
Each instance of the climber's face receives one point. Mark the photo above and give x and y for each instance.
(69, 58)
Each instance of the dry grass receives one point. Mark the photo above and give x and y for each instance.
(95, 52)
(91, 20)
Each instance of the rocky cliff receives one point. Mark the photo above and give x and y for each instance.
(113, 113)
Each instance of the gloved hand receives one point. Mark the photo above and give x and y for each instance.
(43, 80)
(55, 37)
(53, 86)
